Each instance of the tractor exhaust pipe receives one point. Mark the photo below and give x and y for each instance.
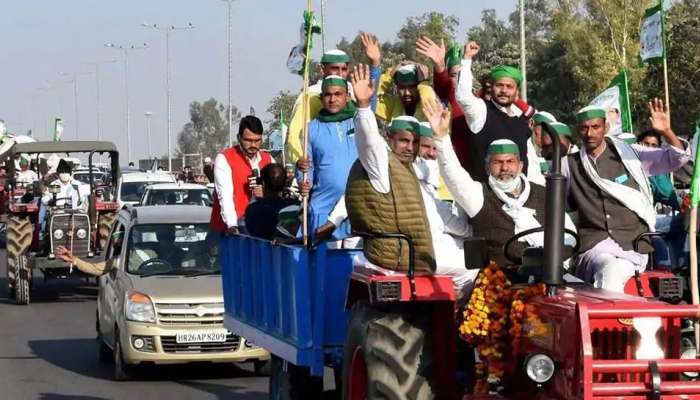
(554, 226)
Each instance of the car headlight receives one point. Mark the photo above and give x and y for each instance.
(139, 307)
(81, 233)
(648, 347)
(58, 234)
(539, 368)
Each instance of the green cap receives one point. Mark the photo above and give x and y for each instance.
(506, 71)
(334, 80)
(335, 56)
(561, 129)
(405, 123)
(543, 116)
(406, 75)
(23, 161)
(454, 54)
(628, 138)
(590, 112)
(425, 129)
(502, 146)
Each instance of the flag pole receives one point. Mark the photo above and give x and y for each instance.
(693, 232)
(284, 139)
(305, 128)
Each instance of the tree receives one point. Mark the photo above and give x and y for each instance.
(207, 130)
(434, 25)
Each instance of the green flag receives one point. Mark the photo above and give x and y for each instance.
(695, 182)
(616, 101)
(652, 37)
(57, 129)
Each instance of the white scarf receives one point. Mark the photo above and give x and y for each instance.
(639, 201)
(523, 217)
(427, 171)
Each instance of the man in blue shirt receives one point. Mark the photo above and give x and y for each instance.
(331, 153)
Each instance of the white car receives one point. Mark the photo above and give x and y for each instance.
(176, 193)
(131, 186)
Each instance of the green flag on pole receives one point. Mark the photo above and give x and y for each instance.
(57, 129)
(653, 37)
(695, 182)
(616, 101)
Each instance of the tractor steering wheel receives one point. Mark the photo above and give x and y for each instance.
(517, 260)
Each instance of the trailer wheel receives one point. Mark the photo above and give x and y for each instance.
(293, 384)
(104, 227)
(23, 277)
(19, 239)
(388, 355)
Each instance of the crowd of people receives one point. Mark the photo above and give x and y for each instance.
(417, 150)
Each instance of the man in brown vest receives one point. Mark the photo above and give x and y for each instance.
(608, 185)
(503, 206)
(384, 196)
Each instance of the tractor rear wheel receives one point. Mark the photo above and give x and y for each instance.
(388, 355)
(104, 227)
(19, 239)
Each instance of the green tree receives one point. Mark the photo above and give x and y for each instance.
(207, 130)
(434, 25)
(281, 104)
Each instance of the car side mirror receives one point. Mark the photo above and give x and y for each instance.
(475, 253)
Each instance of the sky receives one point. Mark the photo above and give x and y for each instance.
(43, 40)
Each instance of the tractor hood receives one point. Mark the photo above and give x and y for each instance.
(180, 289)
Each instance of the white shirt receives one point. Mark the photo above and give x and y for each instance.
(475, 107)
(372, 150)
(27, 176)
(68, 191)
(534, 171)
(224, 188)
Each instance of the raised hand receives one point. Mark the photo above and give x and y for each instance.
(659, 117)
(64, 254)
(438, 116)
(433, 51)
(372, 50)
(471, 49)
(362, 85)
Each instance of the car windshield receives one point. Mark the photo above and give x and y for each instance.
(172, 249)
(199, 197)
(84, 177)
(132, 191)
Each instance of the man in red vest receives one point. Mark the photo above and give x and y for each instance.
(236, 173)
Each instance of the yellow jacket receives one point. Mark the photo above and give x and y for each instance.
(296, 124)
(390, 106)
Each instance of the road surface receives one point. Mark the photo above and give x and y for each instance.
(48, 351)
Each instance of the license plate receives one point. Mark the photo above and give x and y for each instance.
(201, 337)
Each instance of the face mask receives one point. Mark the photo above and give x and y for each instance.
(509, 186)
(64, 177)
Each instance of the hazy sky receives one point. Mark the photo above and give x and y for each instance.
(42, 38)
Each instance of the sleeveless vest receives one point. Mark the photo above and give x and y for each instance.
(498, 126)
(399, 211)
(492, 223)
(241, 170)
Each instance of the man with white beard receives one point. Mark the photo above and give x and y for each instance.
(504, 206)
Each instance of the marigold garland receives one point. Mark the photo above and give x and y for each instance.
(494, 320)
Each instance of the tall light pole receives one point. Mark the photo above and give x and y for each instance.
(96, 65)
(74, 80)
(148, 133)
(126, 50)
(166, 30)
(230, 68)
(523, 55)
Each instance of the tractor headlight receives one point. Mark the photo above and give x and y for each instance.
(689, 354)
(54, 189)
(539, 368)
(648, 347)
(81, 233)
(58, 234)
(139, 307)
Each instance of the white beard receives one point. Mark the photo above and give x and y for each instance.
(507, 187)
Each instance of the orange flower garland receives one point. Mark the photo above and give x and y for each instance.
(522, 313)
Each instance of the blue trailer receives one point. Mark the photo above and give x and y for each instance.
(289, 300)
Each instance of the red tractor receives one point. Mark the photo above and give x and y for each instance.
(588, 343)
(34, 230)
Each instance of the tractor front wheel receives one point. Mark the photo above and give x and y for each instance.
(104, 227)
(388, 355)
(19, 240)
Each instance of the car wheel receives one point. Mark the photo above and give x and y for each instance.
(122, 370)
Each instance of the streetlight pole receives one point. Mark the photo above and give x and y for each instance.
(148, 133)
(126, 50)
(523, 56)
(97, 92)
(74, 80)
(166, 31)
(230, 68)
